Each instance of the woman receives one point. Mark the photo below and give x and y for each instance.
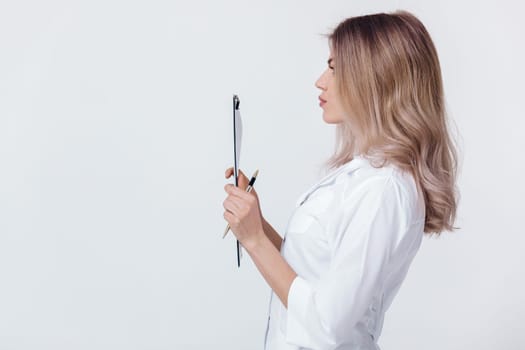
(350, 241)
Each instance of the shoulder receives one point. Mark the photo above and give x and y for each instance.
(382, 187)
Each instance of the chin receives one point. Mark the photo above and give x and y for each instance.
(330, 119)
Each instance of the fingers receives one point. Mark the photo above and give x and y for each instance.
(231, 205)
(230, 170)
(238, 192)
(235, 191)
(243, 180)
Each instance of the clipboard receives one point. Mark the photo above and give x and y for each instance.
(237, 141)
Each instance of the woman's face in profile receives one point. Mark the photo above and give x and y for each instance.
(329, 98)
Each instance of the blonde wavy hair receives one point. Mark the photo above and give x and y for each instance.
(389, 81)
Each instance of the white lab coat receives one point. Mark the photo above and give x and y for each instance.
(350, 239)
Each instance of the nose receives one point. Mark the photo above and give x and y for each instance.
(321, 82)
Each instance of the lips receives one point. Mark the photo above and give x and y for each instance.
(320, 99)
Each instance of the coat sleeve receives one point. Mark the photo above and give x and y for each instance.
(371, 219)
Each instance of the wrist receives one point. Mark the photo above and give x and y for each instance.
(264, 225)
(255, 242)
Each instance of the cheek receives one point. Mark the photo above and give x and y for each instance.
(334, 112)
(337, 105)
(338, 108)
(334, 95)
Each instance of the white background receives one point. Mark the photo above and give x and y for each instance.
(115, 132)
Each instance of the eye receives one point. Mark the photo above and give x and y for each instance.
(330, 64)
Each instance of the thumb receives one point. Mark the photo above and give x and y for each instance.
(241, 173)
(243, 179)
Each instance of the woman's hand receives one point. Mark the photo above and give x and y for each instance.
(243, 212)
(243, 183)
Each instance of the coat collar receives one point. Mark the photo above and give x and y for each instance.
(357, 162)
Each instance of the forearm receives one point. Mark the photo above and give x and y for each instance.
(274, 237)
(275, 270)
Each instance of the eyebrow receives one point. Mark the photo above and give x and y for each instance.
(329, 61)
